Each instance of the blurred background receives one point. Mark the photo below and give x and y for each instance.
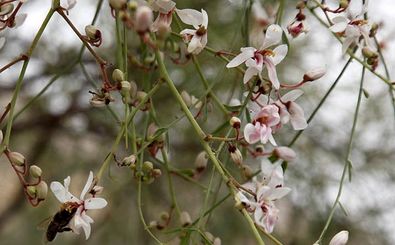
(64, 135)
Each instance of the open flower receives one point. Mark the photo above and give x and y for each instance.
(261, 127)
(197, 37)
(353, 28)
(80, 220)
(290, 111)
(256, 59)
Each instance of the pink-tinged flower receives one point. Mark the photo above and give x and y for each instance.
(197, 37)
(290, 111)
(256, 59)
(80, 220)
(260, 129)
(340, 238)
(296, 28)
(143, 19)
(68, 4)
(165, 9)
(353, 28)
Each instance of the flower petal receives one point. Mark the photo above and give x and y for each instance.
(340, 24)
(194, 44)
(251, 133)
(2, 42)
(292, 95)
(87, 186)
(190, 17)
(277, 193)
(95, 203)
(246, 53)
(298, 120)
(204, 18)
(249, 73)
(280, 53)
(273, 36)
(59, 191)
(271, 72)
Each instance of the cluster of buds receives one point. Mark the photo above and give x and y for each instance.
(298, 26)
(8, 14)
(30, 177)
(93, 35)
(147, 174)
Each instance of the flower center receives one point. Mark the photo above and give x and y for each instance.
(201, 31)
(358, 22)
(266, 52)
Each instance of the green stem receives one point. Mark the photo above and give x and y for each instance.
(295, 138)
(170, 181)
(207, 87)
(347, 159)
(21, 77)
(201, 136)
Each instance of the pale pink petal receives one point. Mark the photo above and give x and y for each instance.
(249, 73)
(194, 44)
(265, 133)
(59, 191)
(246, 53)
(298, 120)
(163, 6)
(272, 73)
(87, 186)
(340, 238)
(277, 193)
(292, 95)
(252, 133)
(95, 203)
(273, 36)
(190, 17)
(272, 140)
(340, 24)
(205, 18)
(279, 54)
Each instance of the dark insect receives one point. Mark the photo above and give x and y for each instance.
(60, 220)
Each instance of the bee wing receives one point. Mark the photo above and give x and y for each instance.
(43, 225)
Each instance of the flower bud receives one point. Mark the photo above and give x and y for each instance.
(35, 171)
(340, 238)
(343, 4)
(235, 122)
(201, 161)
(217, 241)
(141, 95)
(314, 74)
(118, 75)
(31, 191)
(186, 98)
(164, 216)
(156, 173)
(368, 53)
(130, 160)
(236, 155)
(97, 102)
(259, 149)
(6, 9)
(151, 130)
(118, 4)
(42, 190)
(132, 5)
(125, 88)
(133, 89)
(148, 166)
(247, 172)
(1, 136)
(185, 219)
(16, 158)
(144, 19)
(285, 153)
(92, 32)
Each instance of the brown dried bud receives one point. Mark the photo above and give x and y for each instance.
(16, 158)
(35, 171)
